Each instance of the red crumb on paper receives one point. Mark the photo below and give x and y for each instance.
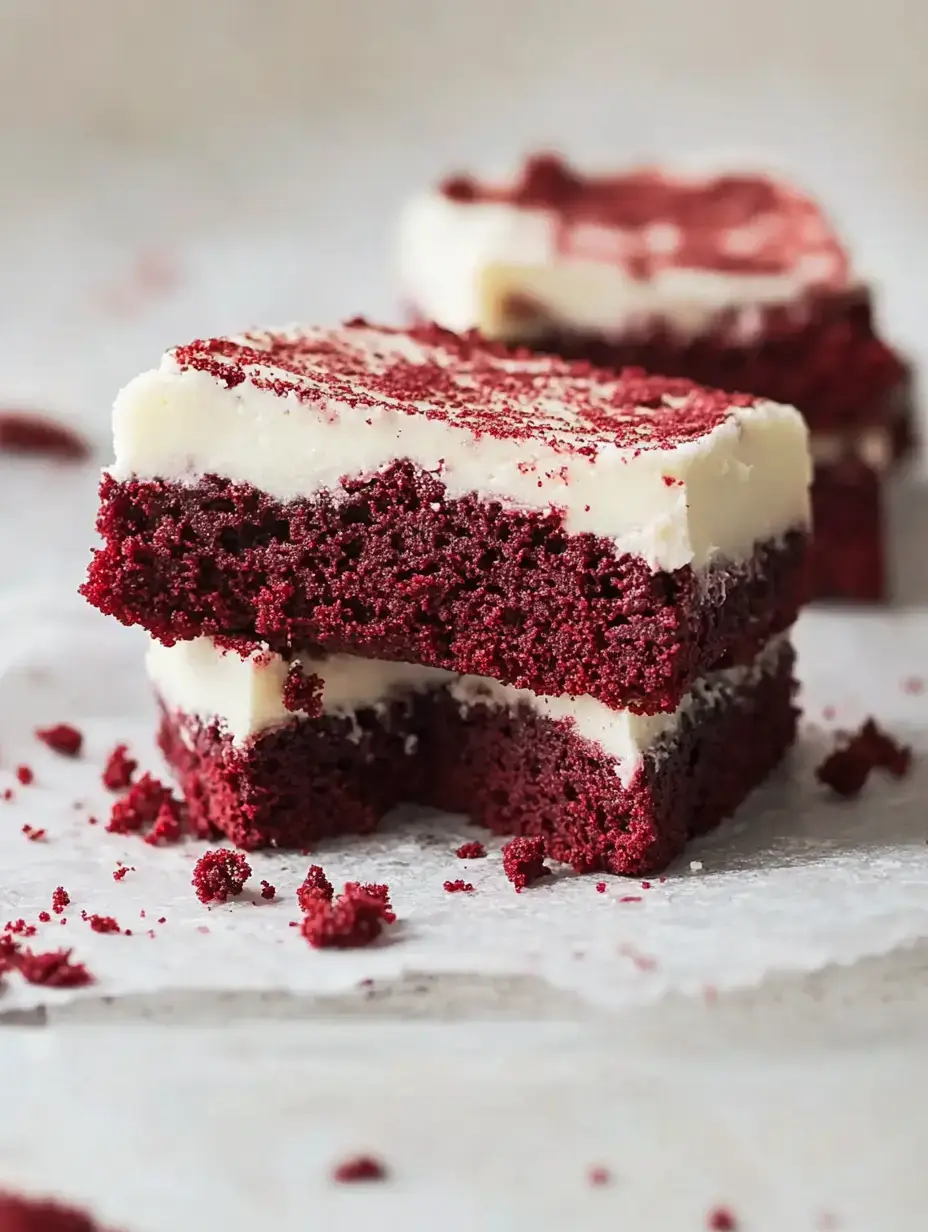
(315, 886)
(847, 768)
(352, 920)
(630, 898)
(600, 1176)
(220, 875)
(53, 969)
(523, 862)
(268, 891)
(44, 917)
(600, 887)
(8, 793)
(61, 738)
(471, 851)
(20, 928)
(119, 874)
(101, 923)
(142, 806)
(721, 1219)
(119, 769)
(34, 835)
(645, 885)
(25, 433)
(459, 887)
(168, 827)
(359, 1168)
(671, 481)
(41, 1215)
(60, 899)
(25, 775)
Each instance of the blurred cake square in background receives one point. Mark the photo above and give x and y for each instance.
(737, 281)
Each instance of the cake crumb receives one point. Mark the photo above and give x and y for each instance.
(53, 969)
(471, 851)
(61, 738)
(721, 1219)
(523, 862)
(600, 1176)
(167, 827)
(459, 887)
(25, 775)
(18, 1214)
(315, 886)
(34, 835)
(44, 917)
(352, 920)
(359, 1168)
(846, 769)
(630, 898)
(220, 874)
(119, 769)
(60, 899)
(268, 891)
(139, 807)
(23, 432)
(119, 874)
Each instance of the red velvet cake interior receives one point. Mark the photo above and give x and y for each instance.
(605, 790)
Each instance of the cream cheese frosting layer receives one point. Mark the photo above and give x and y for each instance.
(682, 477)
(245, 695)
(466, 263)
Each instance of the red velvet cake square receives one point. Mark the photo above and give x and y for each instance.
(606, 790)
(427, 498)
(735, 281)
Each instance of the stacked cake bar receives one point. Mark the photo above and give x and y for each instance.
(737, 282)
(383, 565)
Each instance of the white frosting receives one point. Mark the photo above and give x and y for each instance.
(742, 482)
(246, 695)
(459, 262)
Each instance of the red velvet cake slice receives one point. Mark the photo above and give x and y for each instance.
(735, 281)
(423, 497)
(607, 790)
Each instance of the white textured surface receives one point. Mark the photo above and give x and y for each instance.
(802, 1098)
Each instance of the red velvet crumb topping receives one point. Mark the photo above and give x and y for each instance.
(148, 802)
(25, 775)
(740, 224)
(119, 769)
(847, 768)
(168, 826)
(471, 851)
(478, 386)
(352, 920)
(119, 874)
(60, 899)
(459, 887)
(523, 862)
(220, 875)
(19, 1214)
(268, 891)
(62, 738)
(315, 886)
(34, 835)
(359, 1168)
(101, 923)
(21, 432)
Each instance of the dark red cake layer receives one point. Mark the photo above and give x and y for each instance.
(514, 772)
(829, 362)
(848, 559)
(394, 571)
